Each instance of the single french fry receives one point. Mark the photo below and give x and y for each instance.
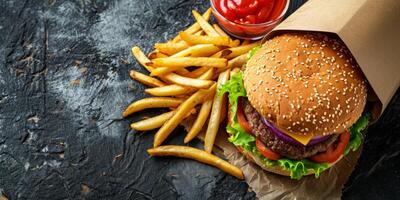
(234, 52)
(190, 61)
(202, 39)
(207, 75)
(200, 120)
(182, 71)
(204, 24)
(141, 58)
(152, 102)
(220, 31)
(243, 49)
(168, 90)
(246, 42)
(189, 82)
(235, 63)
(146, 80)
(197, 98)
(170, 48)
(198, 155)
(214, 120)
(156, 54)
(167, 65)
(238, 62)
(197, 72)
(153, 122)
(200, 50)
(234, 43)
(222, 54)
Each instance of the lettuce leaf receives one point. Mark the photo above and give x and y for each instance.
(235, 89)
(239, 137)
(356, 135)
(298, 168)
(253, 51)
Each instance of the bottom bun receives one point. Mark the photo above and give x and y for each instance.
(277, 169)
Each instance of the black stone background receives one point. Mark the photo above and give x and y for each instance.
(64, 83)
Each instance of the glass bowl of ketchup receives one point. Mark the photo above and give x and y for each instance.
(249, 19)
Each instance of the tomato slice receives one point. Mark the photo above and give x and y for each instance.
(333, 153)
(242, 118)
(268, 153)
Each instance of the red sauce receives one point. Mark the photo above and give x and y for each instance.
(250, 11)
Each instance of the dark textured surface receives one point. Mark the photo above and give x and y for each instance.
(64, 84)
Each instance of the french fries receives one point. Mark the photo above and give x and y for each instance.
(207, 75)
(200, 50)
(153, 122)
(168, 90)
(204, 24)
(185, 73)
(233, 43)
(237, 62)
(146, 80)
(166, 65)
(171, 48)
(213, 123)
(201, 119)
(199, 155)
(156, 54)
(197, 98)
(152, 102)
(189, 82)
(141, 58)
(246, 42)
(202, 39)
(237, 51)
(195, 27)
(220, 31)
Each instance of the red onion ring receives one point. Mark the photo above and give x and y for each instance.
(286, 138)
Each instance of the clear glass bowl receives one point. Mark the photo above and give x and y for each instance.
(247, 31)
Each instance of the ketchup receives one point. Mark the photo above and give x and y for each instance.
(250, 11)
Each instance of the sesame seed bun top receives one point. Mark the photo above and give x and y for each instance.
(306, 83)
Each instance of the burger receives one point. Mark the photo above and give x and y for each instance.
(297, 107)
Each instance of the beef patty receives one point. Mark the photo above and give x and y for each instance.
(262, 132)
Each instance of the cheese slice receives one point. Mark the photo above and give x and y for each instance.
(303, 139)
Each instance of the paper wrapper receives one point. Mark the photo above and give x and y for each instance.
(371, 30)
